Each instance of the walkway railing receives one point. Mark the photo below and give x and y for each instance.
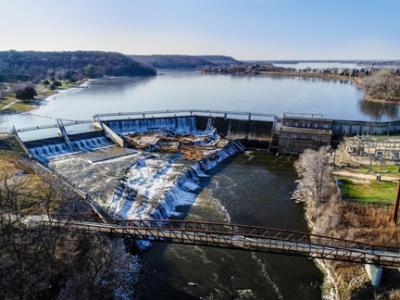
(187, 112)
(49, 126)
(242, 237)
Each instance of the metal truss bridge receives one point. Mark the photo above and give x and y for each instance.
(242, 237)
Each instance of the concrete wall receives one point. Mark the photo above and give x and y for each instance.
(253, 133)
(112, 135)
(316, 123)
(253, 130)
(342, 128)
(295, 143)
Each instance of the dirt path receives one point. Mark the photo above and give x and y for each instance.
(9, 105)
(363, 176)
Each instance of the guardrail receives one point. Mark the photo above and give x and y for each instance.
(303, 115)
(160, 113)
(237, 236)
(189, 112)
(5, 130)
(49, 126)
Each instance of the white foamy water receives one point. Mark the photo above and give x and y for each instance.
(154, 187)
(45, 152)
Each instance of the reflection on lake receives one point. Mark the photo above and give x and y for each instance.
(379, 111)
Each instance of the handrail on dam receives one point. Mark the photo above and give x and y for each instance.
(56, 125)
(235, 236)
(188, 111)
(303, 115)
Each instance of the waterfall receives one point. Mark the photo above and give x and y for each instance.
(181, 125)
(155, 187)
(91, 144)
(43, 153)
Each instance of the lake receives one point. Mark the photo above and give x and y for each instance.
(189, 89)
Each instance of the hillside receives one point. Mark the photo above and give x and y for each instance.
(34, 66)
(184, 61)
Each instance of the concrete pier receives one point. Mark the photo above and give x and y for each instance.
(374, 274)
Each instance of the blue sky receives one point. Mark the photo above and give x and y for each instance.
(245, 29)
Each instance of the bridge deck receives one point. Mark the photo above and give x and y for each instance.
(240, 237)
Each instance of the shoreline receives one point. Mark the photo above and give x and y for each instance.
(289, 74)
(42, 96)
(330, 215)
(329, 287)
(309, 75)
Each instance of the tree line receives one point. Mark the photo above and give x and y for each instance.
(73, 66)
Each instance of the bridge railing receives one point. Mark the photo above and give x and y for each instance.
(241, 230)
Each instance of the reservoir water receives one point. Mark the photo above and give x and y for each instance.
(181, 89)
(252, 188)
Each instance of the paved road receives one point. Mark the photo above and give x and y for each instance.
(363, 176)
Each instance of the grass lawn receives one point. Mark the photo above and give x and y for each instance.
(43, 91)
(17, 105)
(369, 192)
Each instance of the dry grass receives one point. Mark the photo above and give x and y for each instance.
(363, 223)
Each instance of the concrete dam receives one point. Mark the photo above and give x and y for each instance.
(289, 134)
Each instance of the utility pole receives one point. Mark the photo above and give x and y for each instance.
(385, 152)
(396, 205)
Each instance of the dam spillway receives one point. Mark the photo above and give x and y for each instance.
(146, 164)
(135, 181)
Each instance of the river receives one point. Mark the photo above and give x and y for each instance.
(252, 188)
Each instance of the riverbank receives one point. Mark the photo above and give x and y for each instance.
(274, 71)
(328, 214)
(310, 75)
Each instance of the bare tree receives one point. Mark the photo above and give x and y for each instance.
(38, 261)
(382, 85)
(315, 171)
